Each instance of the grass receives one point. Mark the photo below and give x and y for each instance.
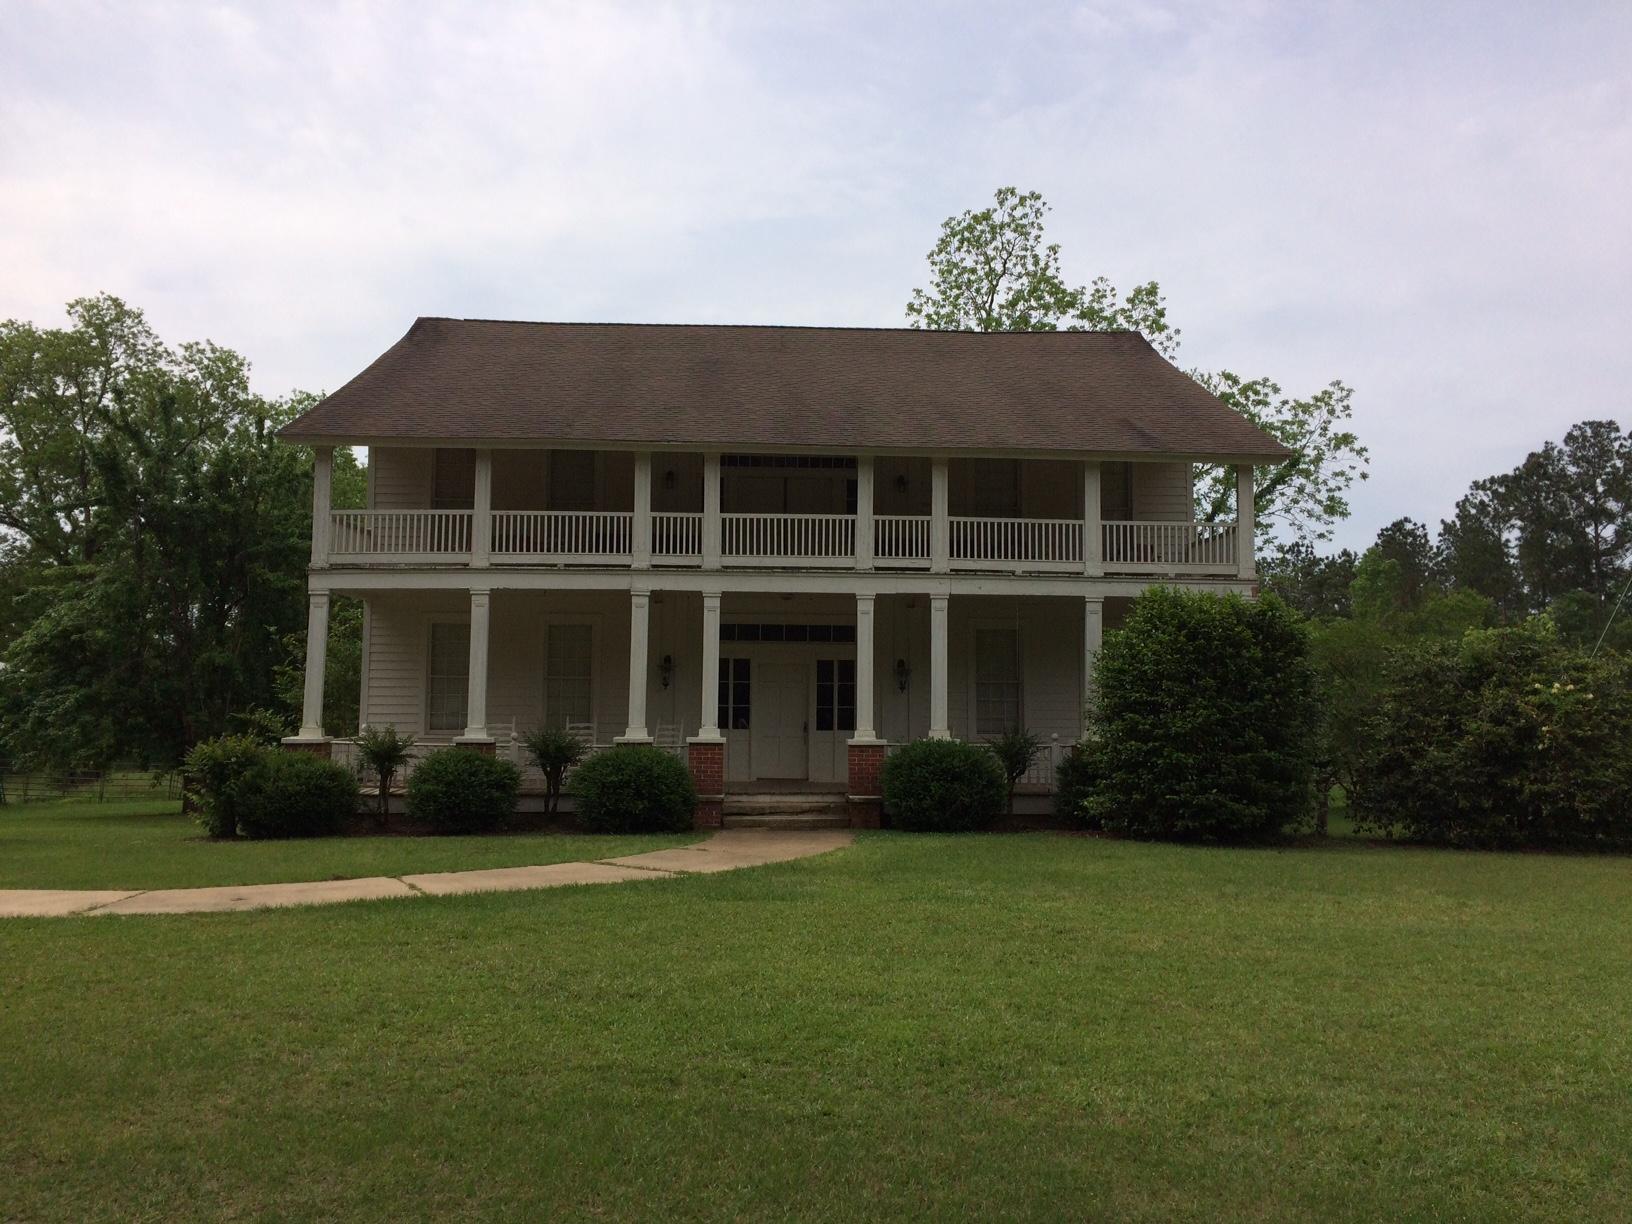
(149, 844)
(1006, 1027)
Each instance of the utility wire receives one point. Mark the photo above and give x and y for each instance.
(1611, 620)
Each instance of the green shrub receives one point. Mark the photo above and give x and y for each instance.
(459, 790)
(1204, 720)
(293, 794)
(1508, 738)
(554, 750)
(211, 768)
(1073, 781)
(384, 752)
(943, 786)
(1015, 751)
(634, 788)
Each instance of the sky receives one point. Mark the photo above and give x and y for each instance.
(1432, 202)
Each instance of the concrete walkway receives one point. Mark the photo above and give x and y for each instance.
(724, 851)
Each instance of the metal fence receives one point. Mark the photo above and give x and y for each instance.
(90, 785)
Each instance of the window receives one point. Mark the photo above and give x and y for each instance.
(453, 480)
(835, 694)
(572, 480)
(734, 695)
(997, 681)
(448, 677)
(994, 490)
(568, 675)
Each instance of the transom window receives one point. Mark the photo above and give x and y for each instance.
(568, 675)
(997, 681)
(735, 695)
(787, 633)
(835, 694)
(448, 676)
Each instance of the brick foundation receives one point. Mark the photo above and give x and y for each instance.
(312, 747)
(866, 786)
(706, 760)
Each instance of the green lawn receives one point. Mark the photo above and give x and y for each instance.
(1008, 1027)
(149, 844)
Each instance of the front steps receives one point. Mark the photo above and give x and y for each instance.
(818, 810)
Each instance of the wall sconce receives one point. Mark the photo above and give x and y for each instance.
(903, 673)
(668, 478)
(665, 670)
(901, 483)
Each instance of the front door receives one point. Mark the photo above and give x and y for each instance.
(780, 714)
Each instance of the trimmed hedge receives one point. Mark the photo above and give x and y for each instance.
(1506, 739)
(634, 788)
(211, 768)
(943, 786)
(1204, 723)
(460, 790)
(292, 794)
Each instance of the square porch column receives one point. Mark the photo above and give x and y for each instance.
(1245, 523)
(711, 510)
(864, 750)
(864, 512)
(708, 723)
(705, 751)
(1093, 639)
(641, 529)
(322, 502)
(939, 727)
(640, 606)
(940, 527)
(481, 514)
(476, 735)
(1093, 535)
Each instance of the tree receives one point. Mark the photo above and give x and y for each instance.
(554, 750)
(991, 270)
(155, 537)
(1016, 751)
(1315, 586)
(384, 751)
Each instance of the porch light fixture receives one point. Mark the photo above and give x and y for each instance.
(665, 670)
(668, 478)
(901, 483)
(903, 673)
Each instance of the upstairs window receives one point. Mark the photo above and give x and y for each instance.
(572, 480)
(447, 684)
(997, 681)
(453, 480)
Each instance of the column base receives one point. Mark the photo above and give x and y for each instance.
(705, 759)
(312, 745)
(866, 782)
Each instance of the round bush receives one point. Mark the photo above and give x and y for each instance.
(212, 767)
(943, 786)
(634, 788)
(293, 794)
(1205, 718)
(459, 790)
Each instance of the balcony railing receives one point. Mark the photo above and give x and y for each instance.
(606, 537)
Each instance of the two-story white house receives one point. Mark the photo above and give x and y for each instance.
(776, 550)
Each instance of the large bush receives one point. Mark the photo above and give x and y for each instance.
(1074, 779)
(1203, 726)
(460, 790)
(211, 769)
(293, 794)
(943, 786)
(1506, 738)
(634, 788)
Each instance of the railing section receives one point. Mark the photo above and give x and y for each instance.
(677, 537)
(400, 533)
(568, 535)
(901, 539)
(773, 539)
(1015, 542)
(1170, 547)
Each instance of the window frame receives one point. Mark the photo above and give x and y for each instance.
(561, 620)
(431, 625)
(1002, 626)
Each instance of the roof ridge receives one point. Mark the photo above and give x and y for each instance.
(825, 327)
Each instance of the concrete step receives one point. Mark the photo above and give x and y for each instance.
(787, 821)
(785, 803)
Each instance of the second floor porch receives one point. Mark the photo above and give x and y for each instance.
(656, 509)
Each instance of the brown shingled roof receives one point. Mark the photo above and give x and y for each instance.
(475, 380)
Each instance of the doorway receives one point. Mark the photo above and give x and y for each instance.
(781, 716)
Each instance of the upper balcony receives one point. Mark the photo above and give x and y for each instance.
(645, 509)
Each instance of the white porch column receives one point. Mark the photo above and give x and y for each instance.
(865, 717)
(317, 658)
(939, 727)
(1245, 523)
(864, 512)
(322, 501)
(1093, 638)
(640, 606)
(481, 514)
(641, 544)
(1093, 536)
(711, 510)
(476, 690)
(940, 530)
(708, 726)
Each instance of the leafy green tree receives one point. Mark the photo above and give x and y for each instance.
(384, 751)
(1016, 751)
(1316, 586)
(991, 269)
(554, 750)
